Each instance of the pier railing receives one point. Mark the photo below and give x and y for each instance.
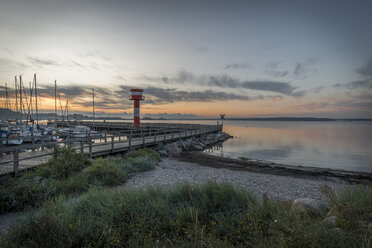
(95, 145)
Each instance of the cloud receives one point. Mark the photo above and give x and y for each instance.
(69, 91)
(271, 86)
(237, 66)
(156, 95)
(317, 89)
(225, 81)
(4, 62)
(366, 72)
(42, 62)
(271, 69)
(302, 69)
(367, 83)
(299, 69)
(366, 69)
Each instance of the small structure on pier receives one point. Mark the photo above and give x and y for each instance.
(136, 96)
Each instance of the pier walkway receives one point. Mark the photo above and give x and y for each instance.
(115, 142)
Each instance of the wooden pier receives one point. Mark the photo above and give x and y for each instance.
(118, 137)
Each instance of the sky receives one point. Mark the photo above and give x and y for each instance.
(196, 58)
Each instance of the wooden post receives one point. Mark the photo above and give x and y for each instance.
(42, 143)
(172, 135)
(90, 147)
(1, 148)
(81, 147)
(130, 140)
(165, 133)
(156, 133)
(16, 162)
(143, 140)
(112, 144)
(33, 142)
(105, 137)
(179, 134)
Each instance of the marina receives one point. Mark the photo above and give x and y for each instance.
(118, 137)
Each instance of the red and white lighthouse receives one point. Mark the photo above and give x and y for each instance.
(136, 96)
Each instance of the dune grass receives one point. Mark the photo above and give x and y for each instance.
(70, 173)
(211, 215)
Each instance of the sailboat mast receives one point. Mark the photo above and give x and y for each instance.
(94, 116)
(20, 97)
(7, 105)
(55, 100)
(37, 111)
(16, 95)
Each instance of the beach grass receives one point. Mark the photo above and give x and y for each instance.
(209, 215)
(69, 173)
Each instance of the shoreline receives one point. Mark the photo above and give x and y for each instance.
(266, 167)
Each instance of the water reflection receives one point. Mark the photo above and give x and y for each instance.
(337, 145)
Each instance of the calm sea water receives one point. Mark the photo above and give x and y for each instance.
(335, 145)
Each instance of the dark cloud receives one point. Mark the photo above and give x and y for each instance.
(185, 77)
(69, 91)
(237, 66)
(271, 69)
(367, 83)
(155, 95)
(41, 61)
(366, 72)
(303, 69)
(366, 69)
(279, 87)
(272, 86)
(299, 69)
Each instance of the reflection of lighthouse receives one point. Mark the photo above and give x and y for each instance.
(136, 97)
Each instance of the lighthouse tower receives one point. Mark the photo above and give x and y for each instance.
(136, 96)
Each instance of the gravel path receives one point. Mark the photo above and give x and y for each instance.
(171, 172)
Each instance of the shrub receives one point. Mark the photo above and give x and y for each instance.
(64, 163)
(63, 174)
(146, 152)
(106, 173)
(141, 164)
(46, 181)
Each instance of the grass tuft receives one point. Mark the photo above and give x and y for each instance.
(210, 215)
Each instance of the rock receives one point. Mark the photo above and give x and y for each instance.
(197, 147)
(166, 147)
(163, 153)
(310, 206)
(331, 220)
(181, 145)
(337, 230)
(174, 150)
(365, 224)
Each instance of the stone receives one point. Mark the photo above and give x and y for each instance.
(197, 147)
(337, 230)
(181, 145)
(310, 206)
(174, 150)
(163, 153)
(365, 224)
(331, 220)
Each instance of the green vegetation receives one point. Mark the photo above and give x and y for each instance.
(212, 215)
(69, 173)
